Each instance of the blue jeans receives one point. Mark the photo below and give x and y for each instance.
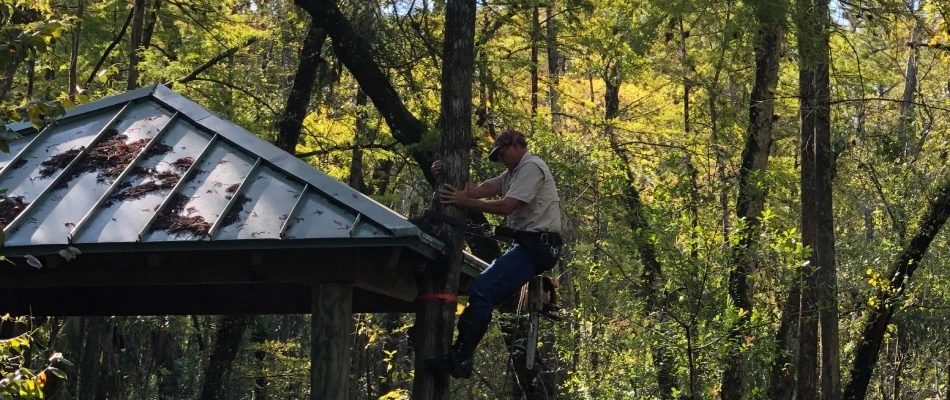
(505, 275)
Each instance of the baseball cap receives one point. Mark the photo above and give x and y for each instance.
(505, 139)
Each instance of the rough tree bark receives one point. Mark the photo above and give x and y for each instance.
(437, 317)
(888, 298)
(770, 16)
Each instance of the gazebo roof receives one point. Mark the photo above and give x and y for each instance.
(152, 177)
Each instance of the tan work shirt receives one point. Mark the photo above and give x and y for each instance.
(532, 183)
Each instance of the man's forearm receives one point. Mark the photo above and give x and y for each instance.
(490, 206)
(483, 191)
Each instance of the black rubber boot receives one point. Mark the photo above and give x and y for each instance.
(458, 362)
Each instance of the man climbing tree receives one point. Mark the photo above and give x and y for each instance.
(531, 203)
(437, 314)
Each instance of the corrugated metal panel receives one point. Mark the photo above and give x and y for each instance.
(151, 166)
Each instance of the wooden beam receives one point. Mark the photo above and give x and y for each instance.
(303, 266)
(183, 300)
(331, 324)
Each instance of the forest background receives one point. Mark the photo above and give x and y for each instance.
(753, 191)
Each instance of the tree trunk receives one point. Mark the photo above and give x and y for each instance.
(770, 17)
(948, 379)
(821, 289)
(92, 363)
(259, 338)
(7, 75)
(165, 350)
(362, 132)
(533, 63)
(900, 351)
(227, 343)
(331, 324)
(652, 277)
(353, 51)
(812, 23)
(887, 299)
(437, 317)
(74, 55)
(302, 89)
(138, 22)
(554, 69)
(151, 18)
(906, 138)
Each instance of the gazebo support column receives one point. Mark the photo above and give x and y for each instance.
(331, 324)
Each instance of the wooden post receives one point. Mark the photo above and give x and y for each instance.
(331, 308)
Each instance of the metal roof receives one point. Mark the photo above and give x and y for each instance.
(151, 170)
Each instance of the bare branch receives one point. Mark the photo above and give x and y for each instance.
(230, 52)
(332, 149)
(238, 88)
(105, 54)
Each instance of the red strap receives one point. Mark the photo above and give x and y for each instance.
(439, 296)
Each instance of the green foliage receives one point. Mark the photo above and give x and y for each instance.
(17, 379)
(671, 59)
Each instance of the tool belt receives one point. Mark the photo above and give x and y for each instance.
(522, 237)
(544, 258)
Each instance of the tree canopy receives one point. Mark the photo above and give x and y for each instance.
(733, 175)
